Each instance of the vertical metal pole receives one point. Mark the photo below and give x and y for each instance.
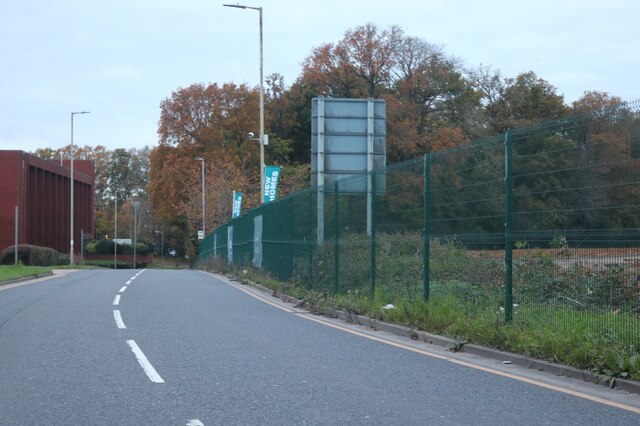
(261, 114)
(370, 132)
(309, 242)
(426, 237)
(320, 183)
(336, 242)
(508, 225)
(15, 254)
(71, 260)
(372, 216)
(71, 196)
(135, 232)
(204, 232)
(115, 232)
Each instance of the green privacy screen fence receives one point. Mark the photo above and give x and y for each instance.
(539, 223)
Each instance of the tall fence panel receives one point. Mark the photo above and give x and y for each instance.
(576, 223)
(541, 224)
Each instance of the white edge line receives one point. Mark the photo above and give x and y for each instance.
(151, 372)
(128, 282)
(123, 289)
(118, 318)
(116, 300)
(194, 422)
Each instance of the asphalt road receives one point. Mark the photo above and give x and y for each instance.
(185, 348)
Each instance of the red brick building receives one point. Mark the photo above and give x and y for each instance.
(41, 191)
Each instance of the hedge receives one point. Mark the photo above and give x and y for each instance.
(106, 247)
(31, 255)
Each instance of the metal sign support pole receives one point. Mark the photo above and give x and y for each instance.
(320, 184)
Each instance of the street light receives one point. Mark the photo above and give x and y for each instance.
(115, 231)
(71, 184)
(259, 9)
(135, 231)
(203, 228)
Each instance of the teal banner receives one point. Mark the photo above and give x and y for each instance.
(271, 175)
(237, 204)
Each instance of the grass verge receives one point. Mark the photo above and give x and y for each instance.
(10, 272)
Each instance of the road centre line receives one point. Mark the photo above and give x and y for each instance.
(123, 289)
(319, 320)
(118, 318)
(128, 282)
(116, 300)
(151, 372)
(194, 422)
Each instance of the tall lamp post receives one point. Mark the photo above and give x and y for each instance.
(259, 9)
(71, 260)
(115, 231)
(135, 231)
(203, 203)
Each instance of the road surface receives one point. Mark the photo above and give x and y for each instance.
(156, 347)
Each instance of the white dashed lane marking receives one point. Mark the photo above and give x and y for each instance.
(151, 372)
(118, 318)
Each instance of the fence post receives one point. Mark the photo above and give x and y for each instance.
(373, 233)
(508, 224)
(426, 220)
(336, 242)
(310, 241)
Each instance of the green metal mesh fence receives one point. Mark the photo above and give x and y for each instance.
(538, 224)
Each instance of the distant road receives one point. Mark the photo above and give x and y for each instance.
(185, 348)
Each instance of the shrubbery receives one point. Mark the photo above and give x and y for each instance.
(31, 255)
(106, 247)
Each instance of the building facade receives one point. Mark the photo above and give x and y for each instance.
(40, 189)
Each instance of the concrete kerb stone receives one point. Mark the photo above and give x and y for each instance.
(524, 361)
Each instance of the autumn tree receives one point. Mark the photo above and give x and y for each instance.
(510, 103)
(434, 96)
(209, 122)
(429, 102)
(359, 65)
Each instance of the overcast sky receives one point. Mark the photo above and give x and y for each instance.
(119, 59)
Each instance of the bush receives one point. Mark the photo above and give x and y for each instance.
(106, 247)
(30, 255)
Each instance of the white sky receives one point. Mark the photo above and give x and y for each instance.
(120, 58)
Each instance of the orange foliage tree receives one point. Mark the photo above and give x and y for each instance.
(209, 122)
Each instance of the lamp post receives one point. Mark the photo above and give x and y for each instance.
(135, 231)
(203, 202)
(115, 231)
(259, 9)
(71, 191)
